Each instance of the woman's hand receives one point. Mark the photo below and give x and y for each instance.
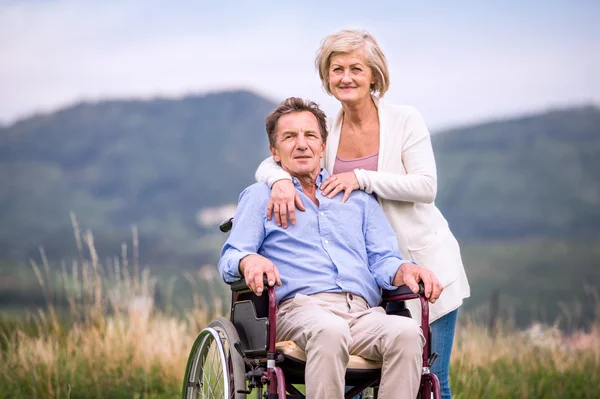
(346, 182)
(283, 203)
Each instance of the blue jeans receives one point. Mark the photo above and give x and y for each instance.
(442, 337)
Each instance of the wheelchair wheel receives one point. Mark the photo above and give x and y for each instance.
(215, 369)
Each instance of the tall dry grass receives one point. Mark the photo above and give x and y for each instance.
(112, 342)
(541, 362)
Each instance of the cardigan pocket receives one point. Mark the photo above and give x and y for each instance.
(441, 256)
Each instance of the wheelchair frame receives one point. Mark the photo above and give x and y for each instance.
(247, 353)
(266, 366)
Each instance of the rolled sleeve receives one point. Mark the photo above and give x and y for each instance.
(231, 264)
(385, 273)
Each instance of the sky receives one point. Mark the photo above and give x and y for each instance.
(458, 62)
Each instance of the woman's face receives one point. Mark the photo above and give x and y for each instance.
(350, 77)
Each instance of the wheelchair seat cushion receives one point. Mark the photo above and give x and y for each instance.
(289, 348)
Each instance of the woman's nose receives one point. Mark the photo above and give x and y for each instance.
(346, 78)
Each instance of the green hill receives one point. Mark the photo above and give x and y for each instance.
(522, 195)
(535, 175)
(115, 164)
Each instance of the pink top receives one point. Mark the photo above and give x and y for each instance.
(348, 165)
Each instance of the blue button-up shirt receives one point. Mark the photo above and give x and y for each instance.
(333, 247)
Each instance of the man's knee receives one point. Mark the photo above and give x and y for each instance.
(331, 335)
(405, 334)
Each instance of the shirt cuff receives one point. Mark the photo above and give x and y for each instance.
(278, 176)
(390, 272)
(232, 274)
(387, 273)
(361, 176)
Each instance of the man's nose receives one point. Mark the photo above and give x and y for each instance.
(301, 143)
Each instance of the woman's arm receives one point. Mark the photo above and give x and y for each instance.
(270, 172)
(284, 197)
(420, 182)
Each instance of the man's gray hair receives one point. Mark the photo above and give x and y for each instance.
(293, 105)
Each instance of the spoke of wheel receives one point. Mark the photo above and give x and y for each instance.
(218, 380)
(207, 372)
(208, 386)
(212, 366)
(225, 369)
(216, 353)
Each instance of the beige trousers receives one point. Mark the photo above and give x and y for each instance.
(331, 326)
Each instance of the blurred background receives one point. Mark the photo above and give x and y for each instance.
(150, 115)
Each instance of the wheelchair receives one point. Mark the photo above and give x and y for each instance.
(239, 358)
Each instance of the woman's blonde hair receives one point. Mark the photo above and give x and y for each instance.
(349, 40)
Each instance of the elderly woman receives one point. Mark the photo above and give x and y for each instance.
(385, 150)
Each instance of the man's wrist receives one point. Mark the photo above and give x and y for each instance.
(242, 264)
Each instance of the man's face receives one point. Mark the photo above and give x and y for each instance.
(298, 145)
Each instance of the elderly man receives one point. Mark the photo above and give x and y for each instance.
(329, 267)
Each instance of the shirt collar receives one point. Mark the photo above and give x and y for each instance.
(323, 175)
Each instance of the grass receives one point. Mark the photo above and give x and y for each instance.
(535, 364)
(113, 342)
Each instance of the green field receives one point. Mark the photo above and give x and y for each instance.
(112, 342)
(144, 356)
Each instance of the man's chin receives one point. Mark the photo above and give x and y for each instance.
(300, 170)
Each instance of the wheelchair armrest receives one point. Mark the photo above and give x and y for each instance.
(402, 291)
(241, 285)
(240, 290)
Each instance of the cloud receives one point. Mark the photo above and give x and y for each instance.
(453, 65)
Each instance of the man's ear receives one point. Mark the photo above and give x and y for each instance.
(276, 157)
(323, 147)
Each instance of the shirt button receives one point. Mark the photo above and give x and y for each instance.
(326, 242)
(322, 213)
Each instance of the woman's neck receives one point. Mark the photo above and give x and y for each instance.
(360, 113)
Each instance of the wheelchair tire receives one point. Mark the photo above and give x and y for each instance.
(215, 370)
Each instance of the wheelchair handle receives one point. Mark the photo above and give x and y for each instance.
(403, 290)
(226, 225)
(241, 285)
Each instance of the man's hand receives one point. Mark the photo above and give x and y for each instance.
(283, 203)
(411, 274)
(253, 267)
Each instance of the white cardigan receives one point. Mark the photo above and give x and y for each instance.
(405, 183)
